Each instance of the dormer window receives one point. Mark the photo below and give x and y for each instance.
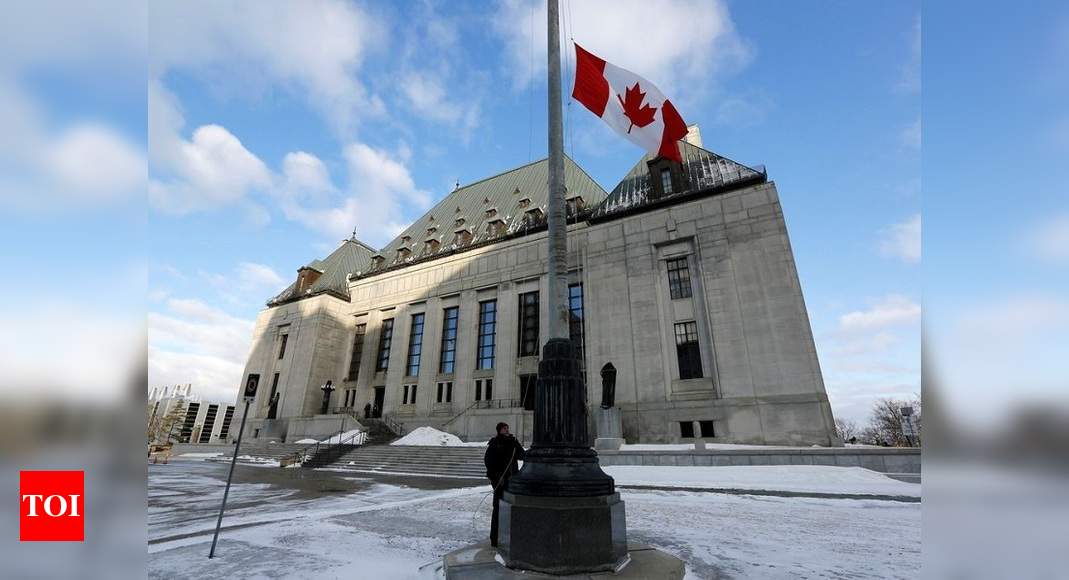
(377, 260)
(491, 212)
(574, 205)
(430, 247)
(402, 255)
(462, 237)
(665, 178)
(525, 202)
(405, 239)
(495, 227)
(532, 217)
(458, 223)
(432, 230)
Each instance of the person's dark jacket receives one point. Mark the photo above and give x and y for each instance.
(502, 453)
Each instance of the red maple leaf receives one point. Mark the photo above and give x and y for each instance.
(638, 113)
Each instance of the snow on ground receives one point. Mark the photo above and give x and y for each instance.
(260, 461)
(303, 524)
(792, 478)
(306, 441)
(200, 455)
(429, 436)
(714, 446)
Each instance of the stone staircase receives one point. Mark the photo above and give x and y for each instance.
(464, 462)
(377, 432)
(275, 451)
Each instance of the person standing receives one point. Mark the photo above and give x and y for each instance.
(367, 411)
(501, 457)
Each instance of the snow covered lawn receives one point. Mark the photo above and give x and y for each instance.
(791, 478)
(301, 524)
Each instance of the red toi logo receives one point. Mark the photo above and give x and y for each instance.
(51, 506)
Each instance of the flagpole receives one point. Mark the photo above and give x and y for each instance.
(558, 235)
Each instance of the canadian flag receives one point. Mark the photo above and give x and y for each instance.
(629, 103)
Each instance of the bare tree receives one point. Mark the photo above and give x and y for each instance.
(847, 429)
(161, 427)
(887, 426)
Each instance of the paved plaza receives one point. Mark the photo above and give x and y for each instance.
(295, 523)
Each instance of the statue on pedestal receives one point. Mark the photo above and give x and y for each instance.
(608, 386)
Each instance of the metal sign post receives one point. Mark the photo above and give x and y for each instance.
(250, 394)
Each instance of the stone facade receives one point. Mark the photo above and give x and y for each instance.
(760, 379)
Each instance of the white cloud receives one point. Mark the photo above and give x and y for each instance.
(253, 275)
(428, 98)
(96, 162)
(380, 192)
(892, 310)
(196, 343)
(76, 34)
(903, 240)
(318, 46)
(1049, 240)
(211, 170)
(657, 50)
(1002, 353)
(69, 166)
(872, 353)
(94, 362)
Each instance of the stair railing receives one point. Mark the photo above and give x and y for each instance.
(458, 415)
(393, 425)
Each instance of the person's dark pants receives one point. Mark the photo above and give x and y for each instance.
(498, 492)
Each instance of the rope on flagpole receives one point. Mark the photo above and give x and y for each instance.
(530, 94)
(569, 29)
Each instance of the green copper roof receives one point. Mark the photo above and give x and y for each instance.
(493, 208)
(352, 256)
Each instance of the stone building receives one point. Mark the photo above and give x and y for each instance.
(202, 421)
(682, 277)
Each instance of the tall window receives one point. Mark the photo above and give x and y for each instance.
(384, 345)
(415, 345)
(666, 181)
(484, 389)
(445, 392)
(449, 340)
(575, 326)
(487, 334)
(282, 347)
(409, 395)
(690, 358)
(529, 324)
(679, 278)
(358, 351)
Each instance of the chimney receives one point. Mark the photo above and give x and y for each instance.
(694, 136)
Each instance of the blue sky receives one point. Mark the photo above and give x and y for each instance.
(265, 150)
(270, 130)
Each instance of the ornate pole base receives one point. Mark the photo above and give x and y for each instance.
(561, 514)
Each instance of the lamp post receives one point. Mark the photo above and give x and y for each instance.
(327, 389)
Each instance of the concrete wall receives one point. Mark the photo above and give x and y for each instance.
(884, 460)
